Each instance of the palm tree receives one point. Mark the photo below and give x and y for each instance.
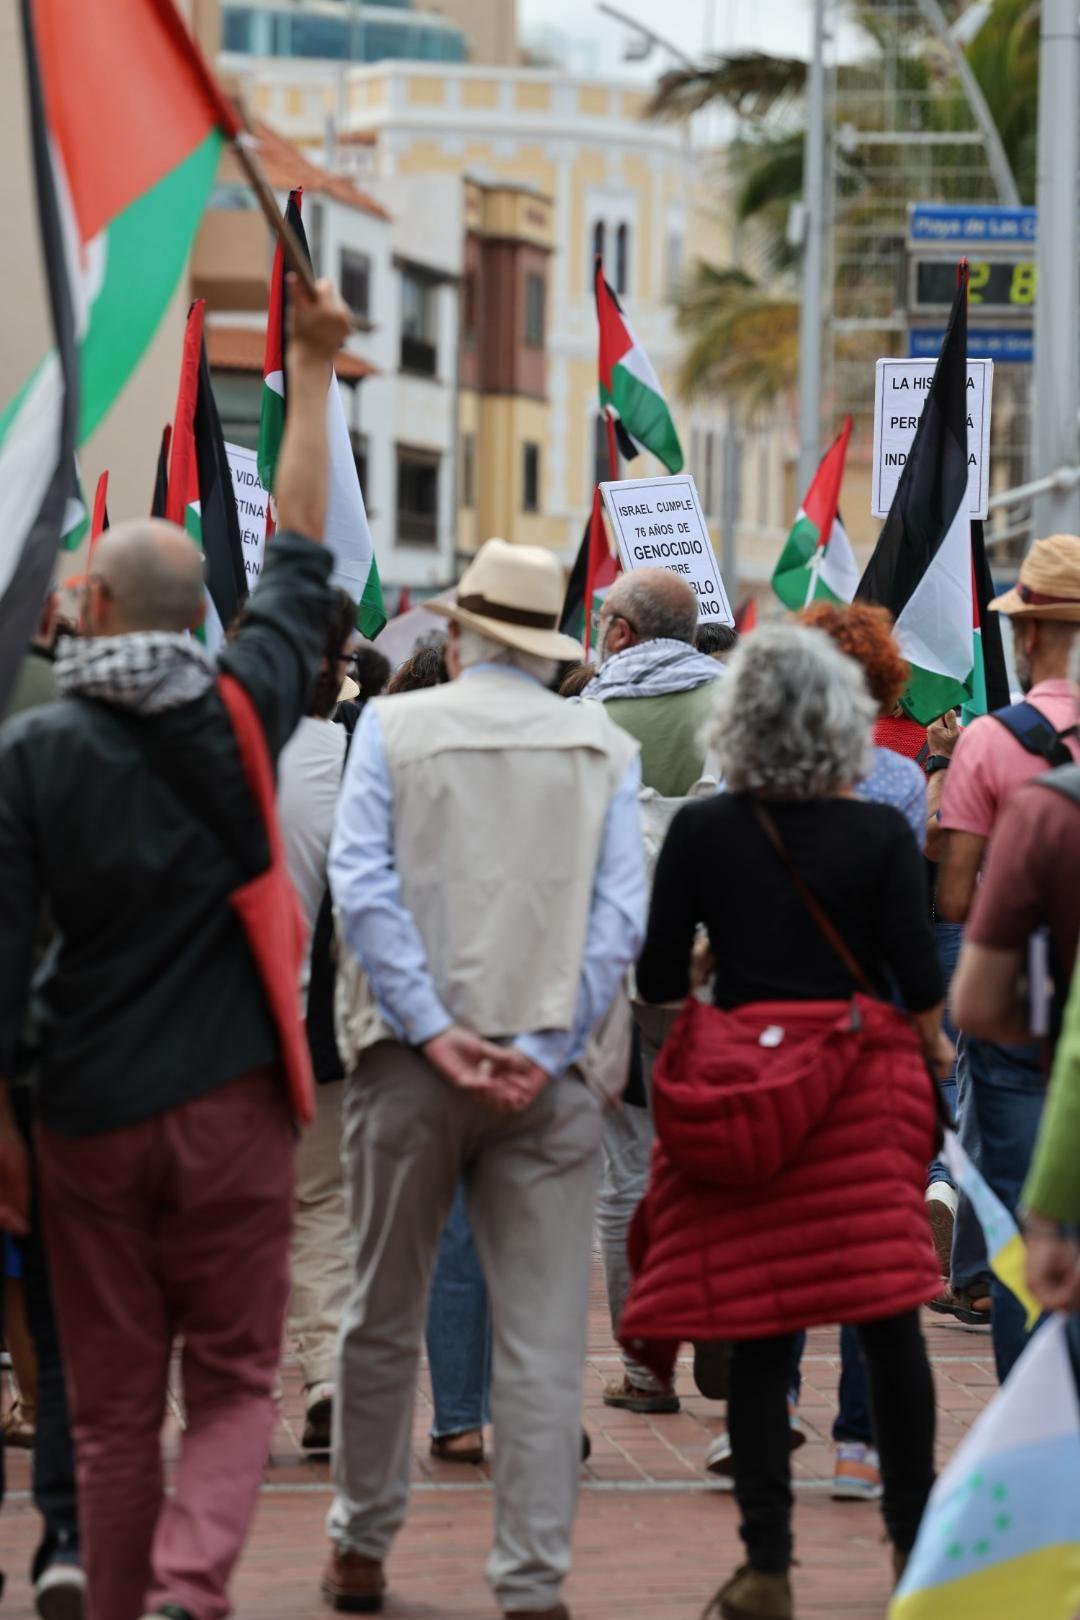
(726, 314)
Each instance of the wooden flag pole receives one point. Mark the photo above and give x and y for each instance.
(295, 257)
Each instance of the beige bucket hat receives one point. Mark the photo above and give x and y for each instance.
(514, 594)
(1049, 582)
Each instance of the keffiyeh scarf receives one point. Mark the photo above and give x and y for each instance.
(146, 671)
(652, 669)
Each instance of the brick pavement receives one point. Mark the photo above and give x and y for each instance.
(653, 1538)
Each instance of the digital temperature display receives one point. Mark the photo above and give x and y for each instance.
(1003, 286)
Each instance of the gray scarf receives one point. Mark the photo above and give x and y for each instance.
(146, 671)
(652, 669)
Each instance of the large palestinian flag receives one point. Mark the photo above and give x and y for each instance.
(200, 491)
(817, 563)
(923, 568)
(630, 390)
(126, 126)
(347, 536)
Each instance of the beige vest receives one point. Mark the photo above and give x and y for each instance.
(501, 791)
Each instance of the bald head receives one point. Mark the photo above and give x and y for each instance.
(152, 574)
(655, 603)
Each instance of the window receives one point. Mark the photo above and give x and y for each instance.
(238, 398)
(530, 483)
(534, 311)
(622, 258)
(418, 352)
(355, 282)
(601, 459)
(598, 240)
(468, 470)
(359, 442)
(710, 463)
(417, 497)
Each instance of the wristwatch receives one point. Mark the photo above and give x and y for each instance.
(937, 762)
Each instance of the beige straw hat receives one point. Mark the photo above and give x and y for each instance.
(1049, 582)
(514, 594)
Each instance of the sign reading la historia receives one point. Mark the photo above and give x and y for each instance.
(658, 523)
(250, 508)
(899, 396)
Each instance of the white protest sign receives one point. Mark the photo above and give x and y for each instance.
(658, 523)
(899, 396)
(250, 508)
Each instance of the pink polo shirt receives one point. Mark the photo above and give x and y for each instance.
(988, 763)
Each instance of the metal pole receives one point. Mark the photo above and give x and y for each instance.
(813, 266)
(1057, 307)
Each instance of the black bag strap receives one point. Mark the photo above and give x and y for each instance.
(1034, 732)
(826, 926)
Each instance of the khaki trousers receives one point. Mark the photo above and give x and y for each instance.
(320, 1245)
(530, 1184)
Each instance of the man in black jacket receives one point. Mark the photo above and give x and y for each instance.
(166, 1144)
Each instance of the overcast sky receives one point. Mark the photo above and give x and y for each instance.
(692, 25)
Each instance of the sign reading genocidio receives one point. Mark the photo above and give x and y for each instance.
(658, 523)
(899, 396)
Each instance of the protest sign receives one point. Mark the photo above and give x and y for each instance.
(250, 508)
(899, 396)
(658, 523)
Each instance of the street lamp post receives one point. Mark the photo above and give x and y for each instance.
(1057, 308)
(811, 309)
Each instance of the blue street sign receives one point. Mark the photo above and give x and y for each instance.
(949, 225)
(1015, 345)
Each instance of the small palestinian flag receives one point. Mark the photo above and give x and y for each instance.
(594, 570)
(922, 567)
(347, 536)
(200, 490)
(817, 562)
(127, 127)
(99, 522)
(630, 390)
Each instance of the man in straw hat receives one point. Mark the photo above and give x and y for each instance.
(488, 873)
(1003, 1085)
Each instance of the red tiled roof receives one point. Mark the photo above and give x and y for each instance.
(285, 166)
(240, 348)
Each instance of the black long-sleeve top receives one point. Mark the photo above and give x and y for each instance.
(717, 869)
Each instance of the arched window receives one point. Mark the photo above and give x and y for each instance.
(599, 236)
(622, 259)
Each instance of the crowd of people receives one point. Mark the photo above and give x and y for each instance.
(694, 950)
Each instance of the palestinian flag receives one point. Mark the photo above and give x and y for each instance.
(126, 128)
(817, 562)
(746, 617)
(200, 490)
(161, 475)
(630, 390)
(594, 570)
(922, 568)
(990, 678)
(347, 534)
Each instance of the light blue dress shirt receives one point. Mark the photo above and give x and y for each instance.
(386, 942)
(898, 781)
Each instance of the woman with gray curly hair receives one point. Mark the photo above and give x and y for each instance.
(796, 1115)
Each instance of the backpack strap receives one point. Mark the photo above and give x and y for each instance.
(1034, 732)
(1066, 780)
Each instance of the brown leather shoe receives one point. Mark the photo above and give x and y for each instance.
(752, 1595)
(353, 1584)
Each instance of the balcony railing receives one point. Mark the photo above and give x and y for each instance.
(418, 355)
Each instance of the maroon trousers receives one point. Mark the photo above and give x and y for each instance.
(178, 1226)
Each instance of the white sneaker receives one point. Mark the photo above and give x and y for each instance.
(718, 1456)
(941, 1205)
(857, 1476)
(60, 1593)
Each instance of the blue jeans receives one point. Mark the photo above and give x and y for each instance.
(1008, 1088)
(853, 1394)
(970, 1268)
(459, 1330)
(948, 937)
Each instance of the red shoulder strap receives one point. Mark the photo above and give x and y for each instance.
(254, 754)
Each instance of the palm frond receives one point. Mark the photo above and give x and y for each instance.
(752, 83)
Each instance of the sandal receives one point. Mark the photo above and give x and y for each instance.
(970, 1305)
(465, 1447)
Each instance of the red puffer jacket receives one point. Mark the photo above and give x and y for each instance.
(788, 1178)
